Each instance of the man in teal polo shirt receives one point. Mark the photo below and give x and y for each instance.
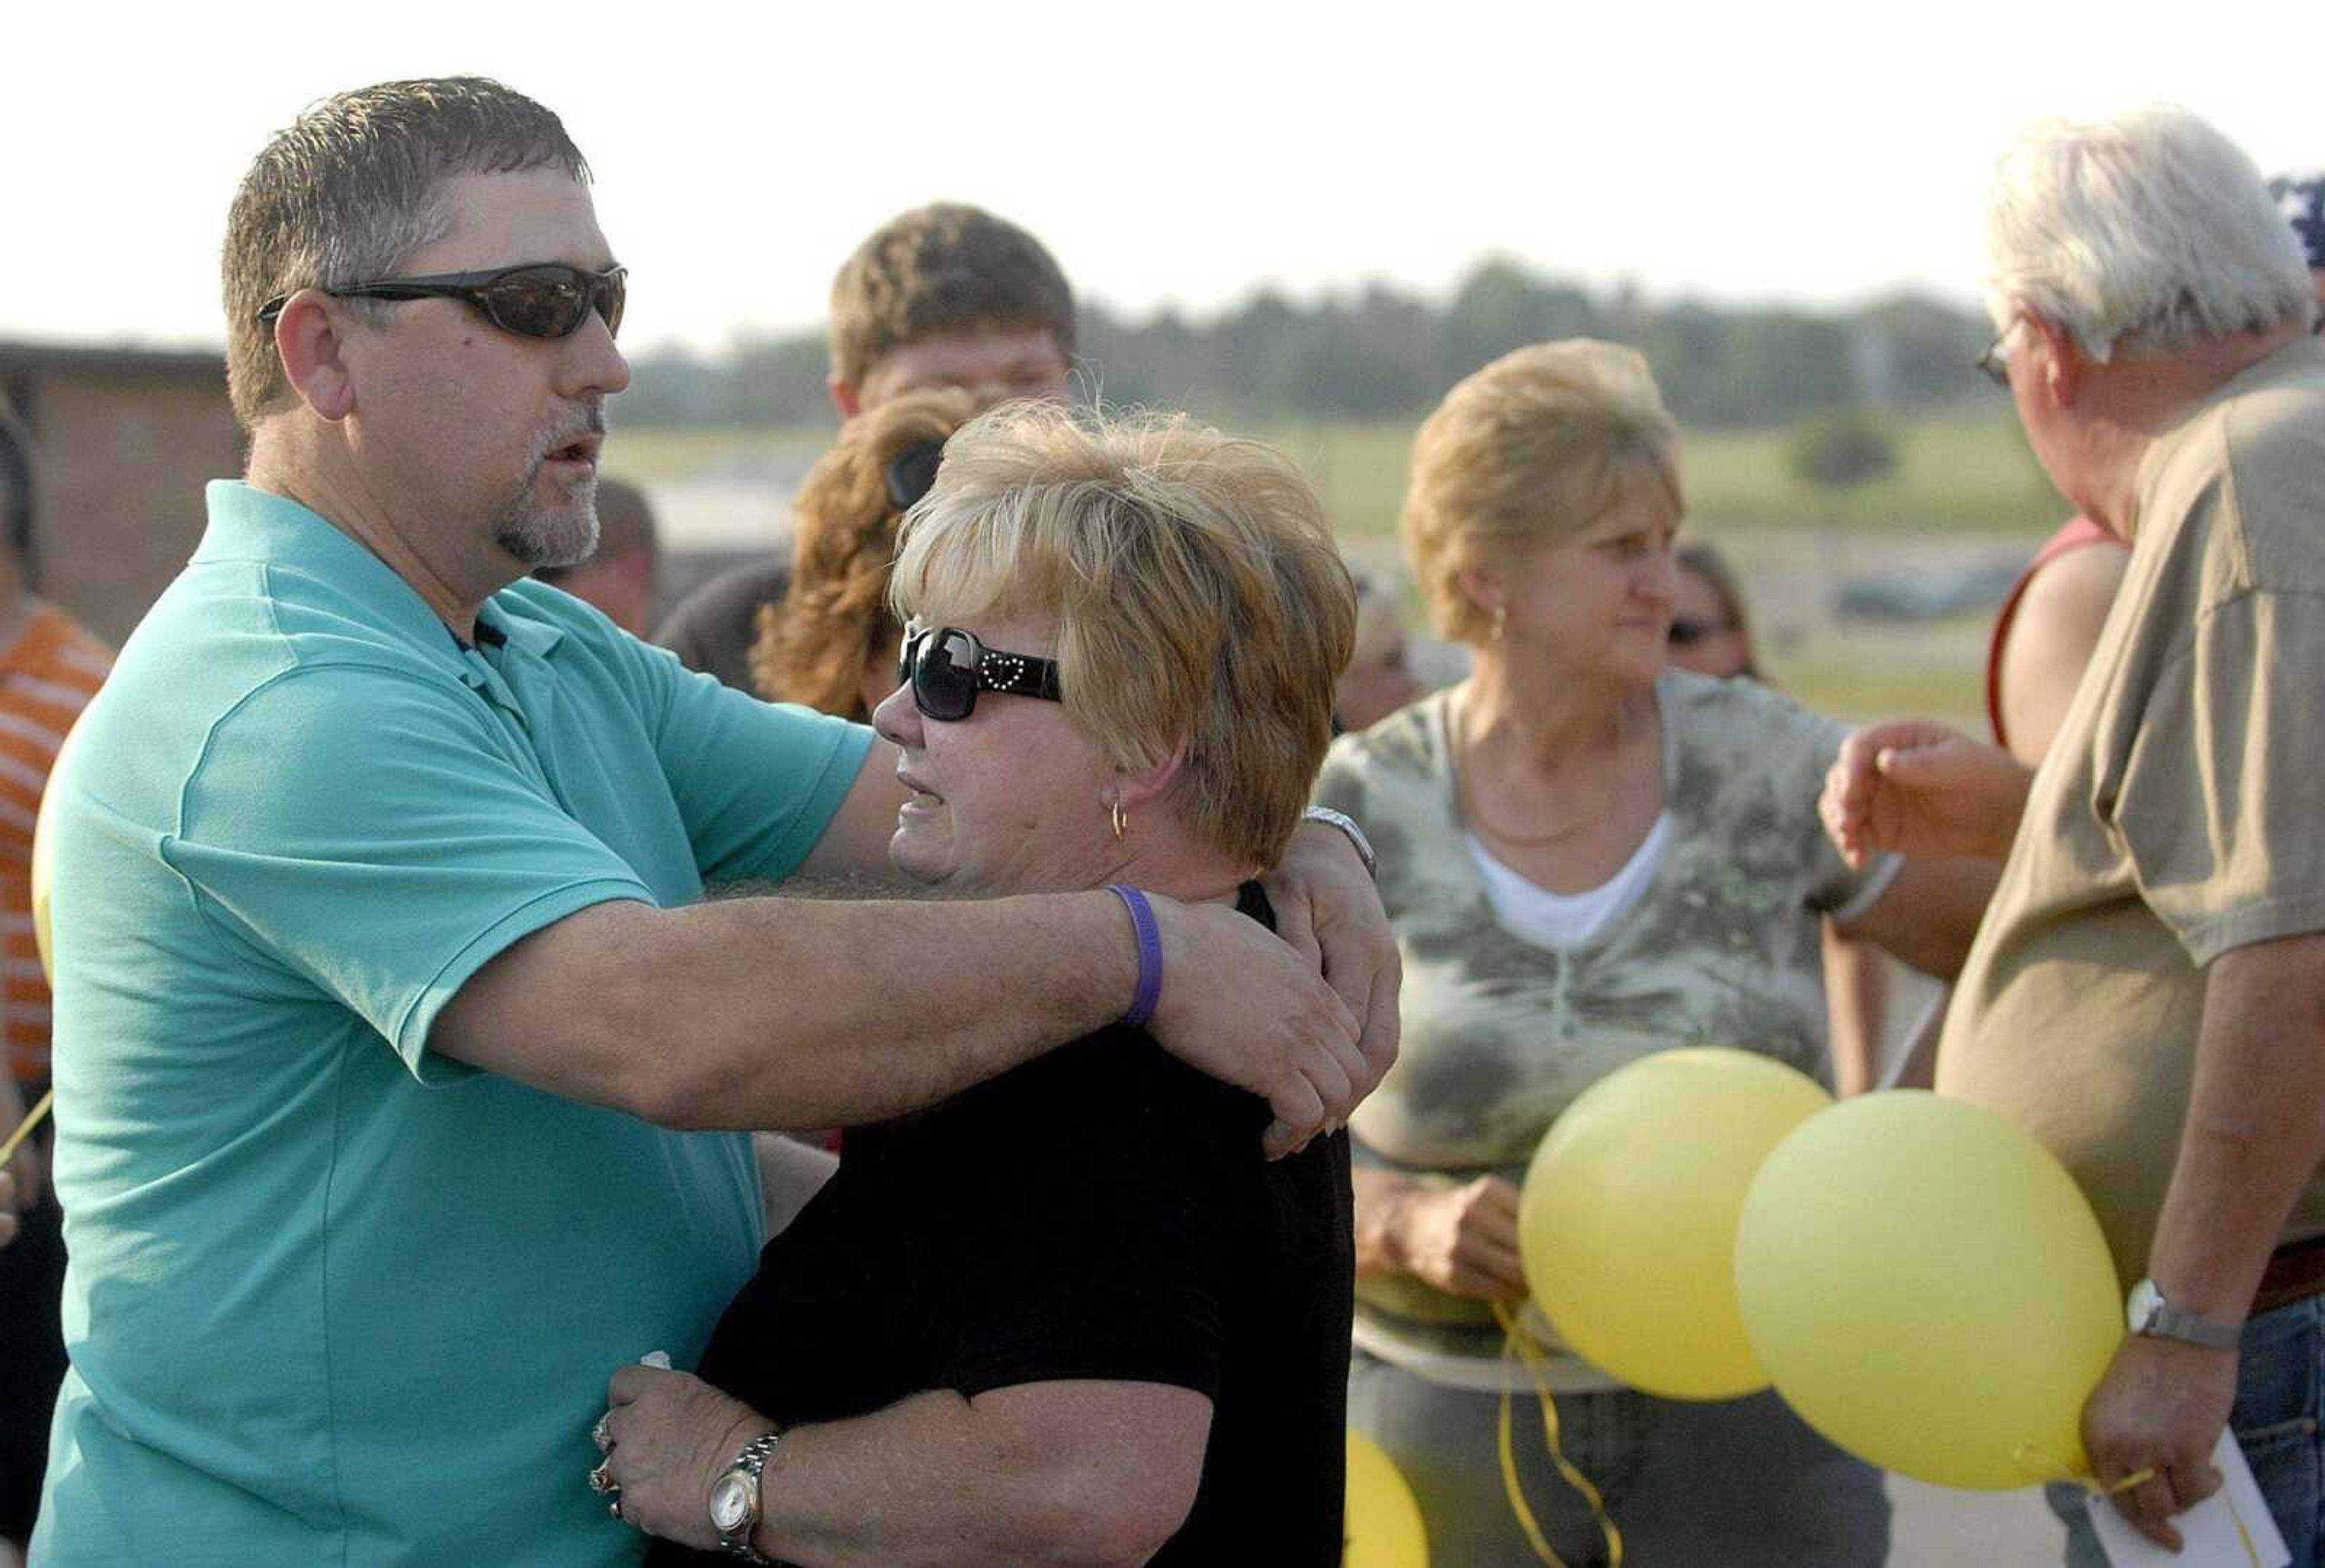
(382, 961)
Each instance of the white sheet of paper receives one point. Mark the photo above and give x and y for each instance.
(2209, 1530)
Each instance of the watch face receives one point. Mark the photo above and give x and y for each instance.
(730, 1501)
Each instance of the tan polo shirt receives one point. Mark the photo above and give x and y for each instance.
(2179, 814)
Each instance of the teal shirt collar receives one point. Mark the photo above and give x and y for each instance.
(250, 524)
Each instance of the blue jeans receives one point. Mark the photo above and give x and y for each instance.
(2280, 1403)
(1742, 1483)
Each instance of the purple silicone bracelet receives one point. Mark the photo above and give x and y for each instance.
(1150, 955)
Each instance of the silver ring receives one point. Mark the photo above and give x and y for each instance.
(614, 1507)
(602, 1483)
(602, 1435)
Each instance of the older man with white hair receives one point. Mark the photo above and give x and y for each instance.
(2147, 992)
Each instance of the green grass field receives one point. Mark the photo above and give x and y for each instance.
(1957, 473)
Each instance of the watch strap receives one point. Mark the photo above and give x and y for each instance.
(751, 1461)
(1348, 825)
(2153, 1314)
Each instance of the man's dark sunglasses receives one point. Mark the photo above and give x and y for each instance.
(1686, 631)
(534, 300)
(947, 667)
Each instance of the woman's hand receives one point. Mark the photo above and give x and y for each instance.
(674, 1435)
(1462, 1241)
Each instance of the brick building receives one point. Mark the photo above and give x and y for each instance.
(125, 438)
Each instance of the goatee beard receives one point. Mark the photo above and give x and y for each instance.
(521, 530)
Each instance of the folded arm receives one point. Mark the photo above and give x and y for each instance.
(1057, 1472)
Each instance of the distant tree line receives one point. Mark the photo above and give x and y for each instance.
(1389, 354)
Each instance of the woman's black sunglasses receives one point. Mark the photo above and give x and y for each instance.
(534, 300)
(947, 667)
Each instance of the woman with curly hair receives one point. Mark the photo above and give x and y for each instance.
(830, 642)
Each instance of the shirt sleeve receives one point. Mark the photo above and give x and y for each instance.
(1088, 1234)
(2217, 798)
(755, 783)
(377, 836)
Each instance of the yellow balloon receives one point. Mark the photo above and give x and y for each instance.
(1383, 1528)
(44, 854)
(1628, 1219)
(1930, 1290)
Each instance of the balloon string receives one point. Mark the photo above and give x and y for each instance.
(2043, 1466)
(2244, 1537)
(2036, 1462)
(1516, 1343)
(24, 1128)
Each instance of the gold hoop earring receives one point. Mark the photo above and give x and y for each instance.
(1120, 817)
(1501, 620)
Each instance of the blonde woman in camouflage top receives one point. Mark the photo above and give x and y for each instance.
(1587, 858)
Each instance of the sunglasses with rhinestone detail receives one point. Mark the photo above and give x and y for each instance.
(947, 667)
(532, 300)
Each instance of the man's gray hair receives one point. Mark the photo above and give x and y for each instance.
(354, 187)
(2150, 232)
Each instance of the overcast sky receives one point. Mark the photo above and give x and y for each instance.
(1182, 152)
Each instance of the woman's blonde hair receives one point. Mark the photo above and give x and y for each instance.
(1528, 451)
(1200, 599)
(813, 643)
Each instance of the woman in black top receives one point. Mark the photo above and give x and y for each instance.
(1072, 1314)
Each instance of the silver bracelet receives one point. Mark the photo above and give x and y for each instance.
(1347, 824)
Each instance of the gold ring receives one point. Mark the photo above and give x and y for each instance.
(602, 1483)
(602, 1435)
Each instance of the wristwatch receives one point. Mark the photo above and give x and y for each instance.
(2149, 1314)
(735, 1498)
(1348, 825)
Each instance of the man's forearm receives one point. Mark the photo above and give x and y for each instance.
(1084, 1472)
(2255, 1129)
(764, 1013)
